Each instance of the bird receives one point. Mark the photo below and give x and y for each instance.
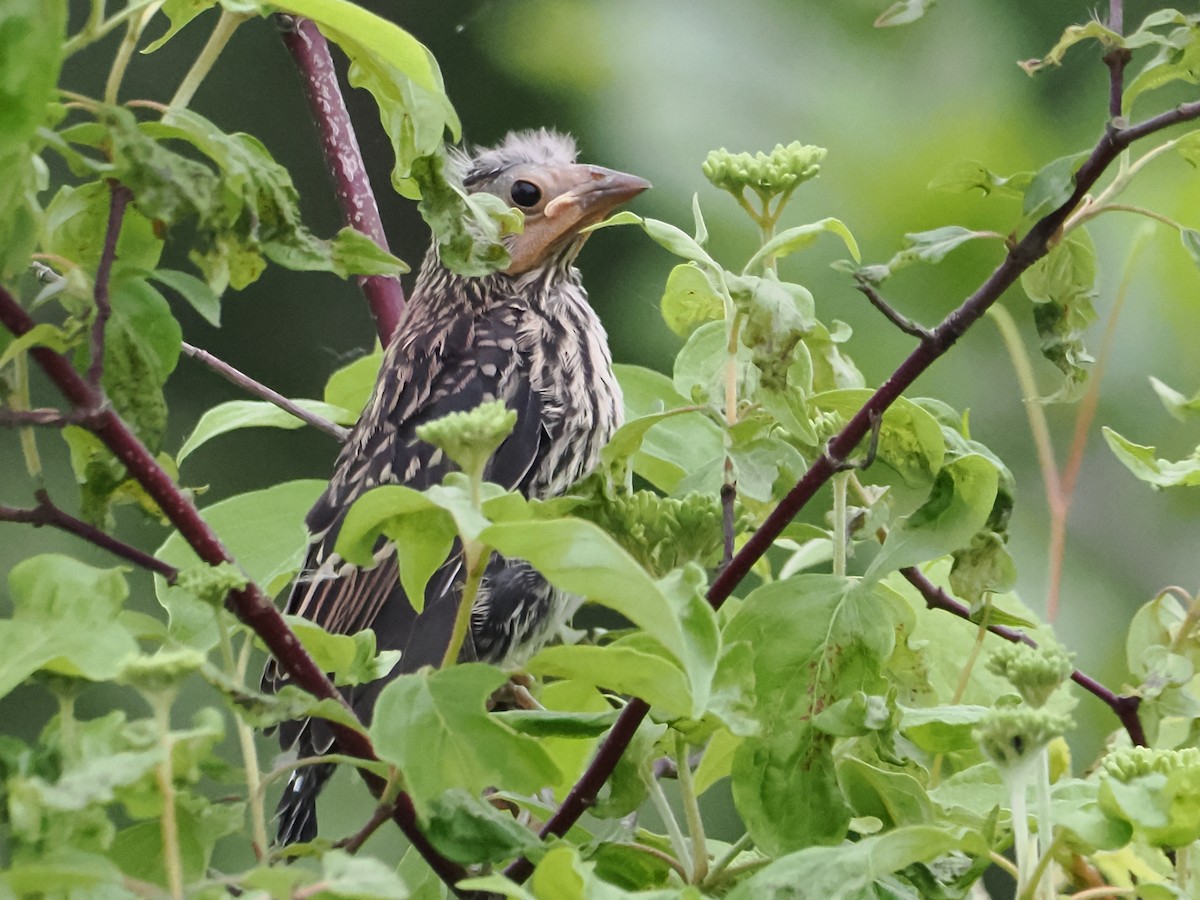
(525, 335)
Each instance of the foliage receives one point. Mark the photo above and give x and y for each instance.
(870, 749)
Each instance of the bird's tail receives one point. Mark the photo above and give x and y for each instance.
(297, 810)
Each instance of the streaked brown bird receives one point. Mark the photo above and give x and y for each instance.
(525, 335)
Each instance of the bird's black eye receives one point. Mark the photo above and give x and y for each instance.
(526, 193)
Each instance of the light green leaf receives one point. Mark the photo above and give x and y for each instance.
(196, 292)
(64, 620)
(895, 798)
(816, 638)
(689, 300)
(1178, 59)
(180, 12)
(792, 239)
(1179, 406)
(263, 530)
(968, 175)
(434, 726)
(903, 12)
(1191, 243)
(42, 334)
(932, 246)
(958, 506)
(848, 871)
(235, 414)
(469, 830)
(350, 386)
(346, 877)
(942, 729)
(1074, 34)
(1144, 463)
(348, 658)
(422, 531)
(637, 668)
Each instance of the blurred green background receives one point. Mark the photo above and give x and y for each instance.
(650, 87)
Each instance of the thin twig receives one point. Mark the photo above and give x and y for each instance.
(382, 813)
(1116, 59)
(310, 50)
(258, 389)
(1020, 257)
(47, 513)
(728, 520)
(20, 418)
(1124, 706)
(249, 604)
(905, 324)
(120, 196)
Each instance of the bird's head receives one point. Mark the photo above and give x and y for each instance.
(536, 172)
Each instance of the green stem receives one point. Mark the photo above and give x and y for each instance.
(663, 807)
(19, 401)
(97, 26)
(475, 555)
(254, 788)
(723, 862)
(840, 536)
(221, 33)
(164, 774)
(691, 809)
(133, 33)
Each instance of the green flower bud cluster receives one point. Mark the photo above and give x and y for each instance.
(1130, 763)
(1036, 672)
(767, 174)
(211, 584)
(661, 533)
(1015, 735)
(470, 438)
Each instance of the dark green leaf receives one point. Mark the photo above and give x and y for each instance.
(201, 297)
(1052, 186)
(1178, 59)
(469, 830)
(1062, 287)
(895, 798)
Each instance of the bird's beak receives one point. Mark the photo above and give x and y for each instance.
(583, 196)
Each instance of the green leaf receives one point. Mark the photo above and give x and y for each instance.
(63, 871)
(1191, 243)
(847, 872)
(1163, 808)
(469, 830)
(689, 301)
(790, 240)
(422, 531)
(30, 59)
(903, 12)
(1074, 34)
(350, 386)
(180, 12)
(1179, 406)
(717, 761)
(77, 219)
(958, 506)
(816, 638)
(895, 798)
(665, 235)
(196, 292)
(42, 334)
(64, 620)
(354, 253)
(1178, 59)
(627, 666)
(1144, 463)
(263, 530)
(942, 729)
(348, 658)
(967, 175)
(579, 558)
(668, 447)
(1052, 186)
(434, 726)
(346, 877)
(700, 366)
(932, 246)
(1062, 287)
(236, 414)
(565, 724)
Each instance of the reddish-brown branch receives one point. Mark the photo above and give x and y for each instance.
(310, 51)
(1116, 59)
(1020, 257)
(120, 196)
(249, 604)
(47, 513)
(1125, 706)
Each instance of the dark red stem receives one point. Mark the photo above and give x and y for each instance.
(120, 196)
(311, 53)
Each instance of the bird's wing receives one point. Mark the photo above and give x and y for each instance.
(468, 363)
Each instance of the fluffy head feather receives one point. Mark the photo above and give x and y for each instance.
(536, 147)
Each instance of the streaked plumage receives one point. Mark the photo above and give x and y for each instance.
(526, 336)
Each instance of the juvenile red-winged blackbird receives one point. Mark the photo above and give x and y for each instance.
(525, 335)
